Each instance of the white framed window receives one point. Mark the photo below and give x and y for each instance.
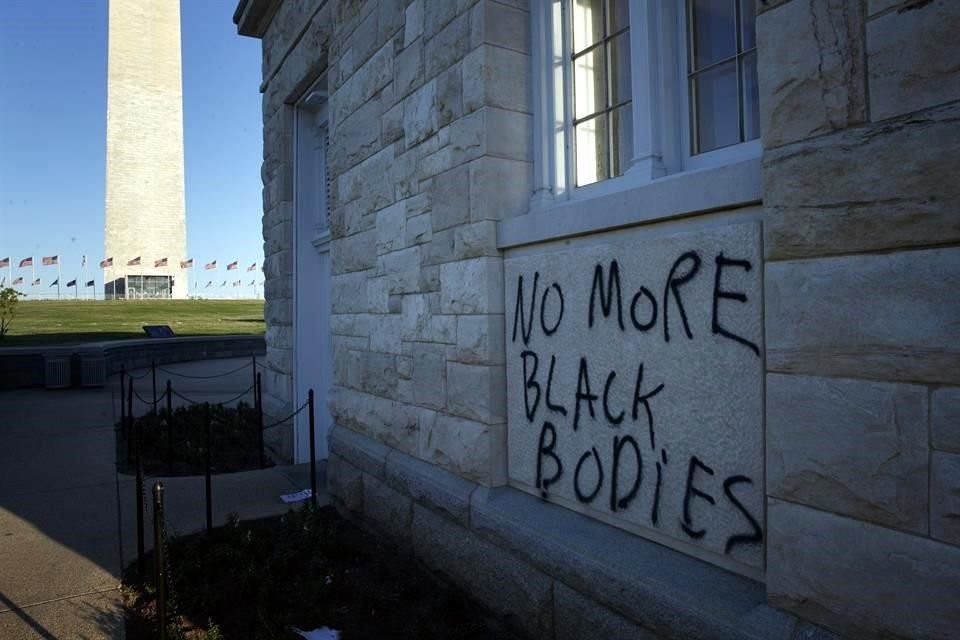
(627, 92)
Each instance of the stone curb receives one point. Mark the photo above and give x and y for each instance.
(627, 578)
(366, 454)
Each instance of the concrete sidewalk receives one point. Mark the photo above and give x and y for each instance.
(67, 519)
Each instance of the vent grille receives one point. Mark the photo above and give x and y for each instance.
(57, 375)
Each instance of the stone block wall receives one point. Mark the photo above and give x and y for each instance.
(430, 146)
(294, 53)
(430, 152)
(861, 126)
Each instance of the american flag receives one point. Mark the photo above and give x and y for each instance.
(252, 267)
(26, 262)
(3, 282)
(224, 284)
(50, 260)
(232, 265)
(162, 262)
(36, 282)
(186, 264)
(4, 263)
(134, 262)
(17, 281)
(252, 283)
(236, 283)
(106, 263)
(210, 265)
(72, 283)
(83, 262)
(55, 282)
(90, 283)
(209, 284)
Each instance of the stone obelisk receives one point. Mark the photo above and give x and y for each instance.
(145, 213)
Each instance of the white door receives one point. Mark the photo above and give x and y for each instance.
(313, 362)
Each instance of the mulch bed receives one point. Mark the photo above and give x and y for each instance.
(174, 444)
(309, 569)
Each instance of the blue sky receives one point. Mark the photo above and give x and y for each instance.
(53, 62)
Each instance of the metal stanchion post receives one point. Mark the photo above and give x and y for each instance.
(209, 489)
(313, 451)
(153, 370)
(169, 425)
(254, 379)
(139, 490)
(159, 552)
(123, 399)
(129, 420)
(259, 393)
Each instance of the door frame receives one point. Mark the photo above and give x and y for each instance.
(313, 101)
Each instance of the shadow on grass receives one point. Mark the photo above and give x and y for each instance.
(66, 339)
(73, 339)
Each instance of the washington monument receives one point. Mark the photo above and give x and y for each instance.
(145, 216)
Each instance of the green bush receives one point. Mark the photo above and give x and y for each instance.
(175, 444)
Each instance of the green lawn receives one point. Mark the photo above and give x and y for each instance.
(45, 322)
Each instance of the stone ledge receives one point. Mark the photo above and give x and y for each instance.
(577, 617)
(346, 482)
(388, 511)
(366, 454)
(430, 486)
(519, 594)
(672, 594)
(640, 582)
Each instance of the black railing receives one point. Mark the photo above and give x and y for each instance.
(132, 430)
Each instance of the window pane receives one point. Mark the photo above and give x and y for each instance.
(621, 124)
(587, 22)
(715, 99)
(618, 15)
(748, 25)
(714, 27)
(751, 98)
(589, 83)
(620, 68)
(591, 152)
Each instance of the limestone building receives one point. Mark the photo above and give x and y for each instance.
(636, 318)
(145, 215)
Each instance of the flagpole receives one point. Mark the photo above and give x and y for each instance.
(58, 277)
(33, 278)
(84, 276)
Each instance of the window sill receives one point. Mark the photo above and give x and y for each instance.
(682, 194)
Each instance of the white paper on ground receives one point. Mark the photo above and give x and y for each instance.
(298, 496)
(323, 633)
